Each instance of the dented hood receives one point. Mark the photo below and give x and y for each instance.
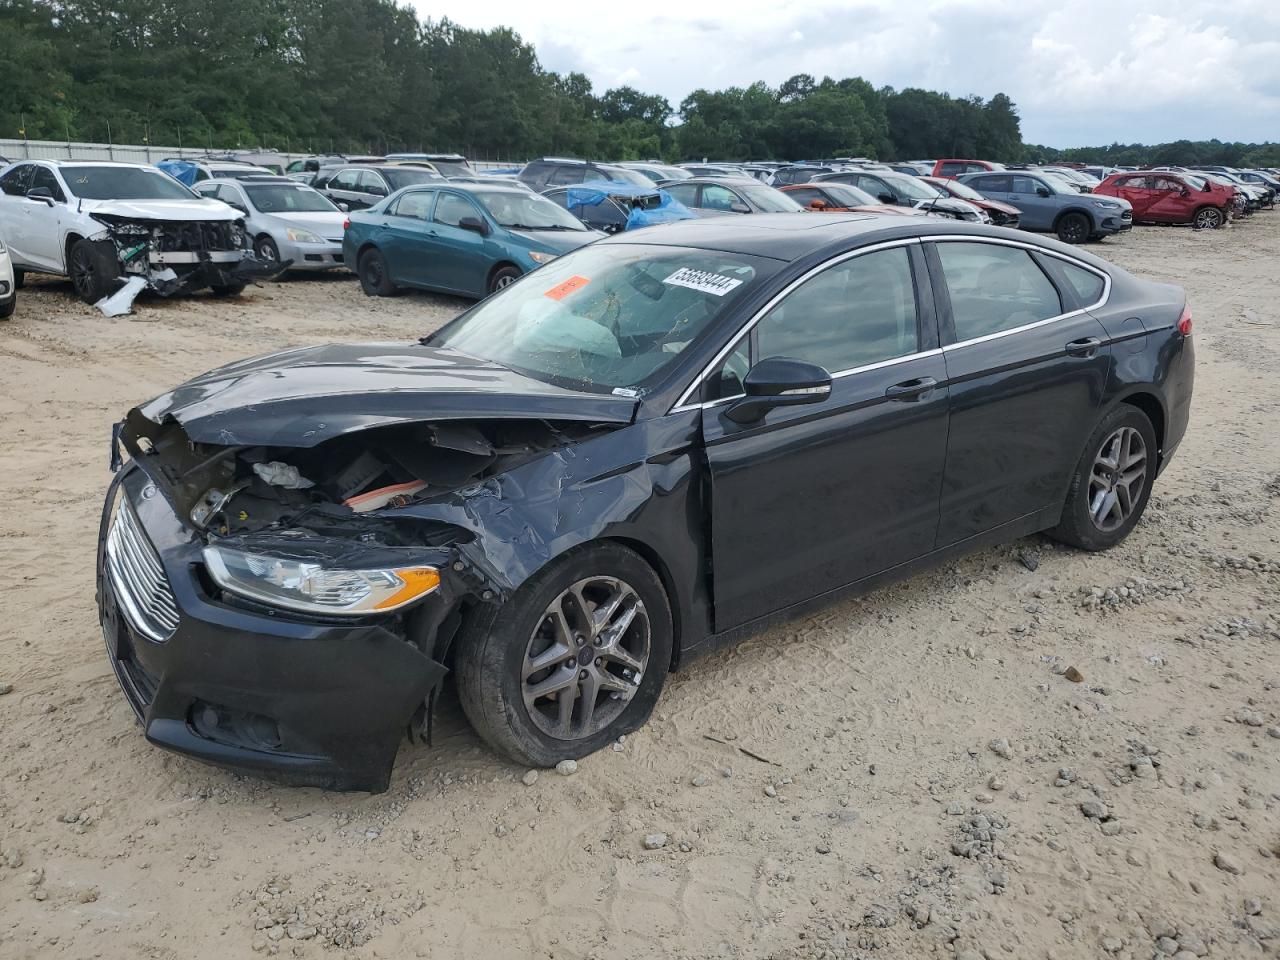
(303, 397)
(197, 208)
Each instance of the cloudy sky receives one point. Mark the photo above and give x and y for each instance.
(1082, 72)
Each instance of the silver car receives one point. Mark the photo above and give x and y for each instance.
(286, 220)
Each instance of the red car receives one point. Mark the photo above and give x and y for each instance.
(843, 198)
(1001, 214)
(1167, 197)
(953, 168)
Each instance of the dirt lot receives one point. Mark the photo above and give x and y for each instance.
(921, 772)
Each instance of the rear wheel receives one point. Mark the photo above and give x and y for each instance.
(504, 277)
(1073, 228)
(1208, 218)
(375, 281)
(574, 659)
(1112, 483)
(94, 269)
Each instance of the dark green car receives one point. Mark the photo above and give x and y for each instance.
(468, 239)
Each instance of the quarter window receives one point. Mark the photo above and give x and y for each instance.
(856, 313)
(1087, 284)
(994, 288)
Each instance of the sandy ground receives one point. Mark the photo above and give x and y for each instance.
(924, 761)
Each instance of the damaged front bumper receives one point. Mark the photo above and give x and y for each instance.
(318, 701)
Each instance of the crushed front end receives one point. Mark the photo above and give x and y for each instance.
(178, 256)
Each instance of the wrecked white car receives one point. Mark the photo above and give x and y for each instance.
(119, 228)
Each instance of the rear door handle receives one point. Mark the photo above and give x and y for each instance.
(1085, 347)
(911, 389)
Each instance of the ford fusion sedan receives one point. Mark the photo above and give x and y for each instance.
(463, 239)
(625, 459)
(1049, 205)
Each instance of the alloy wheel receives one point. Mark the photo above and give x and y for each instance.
(82, 273)
(1208, 219)
(586, 658)
(505, 280)
(1118, 478)
(1074, 229)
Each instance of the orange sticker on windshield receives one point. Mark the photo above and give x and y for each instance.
(562, 290)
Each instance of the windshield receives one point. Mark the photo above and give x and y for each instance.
(526, 211)
(407, 176)
(123, 183)
(847, 195)
(607, 318)
(911, 187)
(288, 198)
(961, 190)
(767, 199)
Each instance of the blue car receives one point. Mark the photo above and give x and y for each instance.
(468, 239)
(1049, 205)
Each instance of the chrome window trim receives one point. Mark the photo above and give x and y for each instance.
(683, 404)
(1034, 248)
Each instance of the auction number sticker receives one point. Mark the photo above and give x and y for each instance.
(703, 281)
(562, 290)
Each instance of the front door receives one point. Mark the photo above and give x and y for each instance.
(39, 229)
(1026, 367)
(811, 498)
(459, 262)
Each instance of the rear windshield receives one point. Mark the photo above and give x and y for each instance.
(768, 199)
(123, 183)
(607, 318)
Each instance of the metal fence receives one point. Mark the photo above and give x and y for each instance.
(135, 153)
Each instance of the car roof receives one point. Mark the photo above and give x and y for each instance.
(86, 163)
(720, 181)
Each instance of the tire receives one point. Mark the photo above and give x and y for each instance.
(503, 276)
(19, 279)
(1078, 526)
(227, 289)
(264, 248)
(94, 269)
(1207, 218)
(493, 673)
(375, 281)
(6, 309)
(1072, 228)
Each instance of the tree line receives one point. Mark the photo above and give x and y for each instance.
(369, 76)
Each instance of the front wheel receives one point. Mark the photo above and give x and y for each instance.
(504, 277)
(1073, 228)
(574, 659)
(266, 249)
(375, 280)
(1208, 218)
(1112, 482)
(7, 308)
(94, 269)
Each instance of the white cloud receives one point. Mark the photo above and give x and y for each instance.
(1090, 71)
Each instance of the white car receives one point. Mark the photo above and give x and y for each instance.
(8, 286)
(103, 224)
(286, 220)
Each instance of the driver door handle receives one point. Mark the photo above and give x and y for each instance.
(911, 389)
(1085, 347)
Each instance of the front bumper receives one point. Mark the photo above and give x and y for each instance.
(311, 256)
(317, 702)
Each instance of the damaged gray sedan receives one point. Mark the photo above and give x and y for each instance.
(123, 227)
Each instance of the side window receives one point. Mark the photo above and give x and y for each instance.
(567, 174)
(372, 183)
(874, 186)
(416, 205)
(995, 288)
(451, 208)
(806, 196)
(858, 312)
(716, 197)
(996, 184)
(952, 169)
(14, 183)
(43, 177)
(686, 193)
(344, 180)
(1025, 184)
(1087, 284)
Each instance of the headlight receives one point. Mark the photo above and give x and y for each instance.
(537, 256)
(971, 215)
(1106, 204)
(315, 588)
(302, 236)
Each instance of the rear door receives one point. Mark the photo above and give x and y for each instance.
(814, 497)
(406, 239)
(1026, 366)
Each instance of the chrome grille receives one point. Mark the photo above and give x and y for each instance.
(141, 587)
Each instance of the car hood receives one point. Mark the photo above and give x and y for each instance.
(326, 224)
(560, 241)
(303, 397)
(193, 209)
(985, 204)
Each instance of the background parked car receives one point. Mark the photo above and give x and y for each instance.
(658, 172)
(285, 219)
(715, 170)
(905, 191)
(446, 164)
(1001, 214)
(8, 283)
(562, 171)
(799, 173)
(457, 238)
(955, 168)
(191, 172)
(722, 195)
(1050, 205)
(355, 187)
(1167, 197)
(843, 198)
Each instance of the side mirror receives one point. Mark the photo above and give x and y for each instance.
(739, 207)
(474, 224)
(1042, 192)
(41, 193)
(779, 382)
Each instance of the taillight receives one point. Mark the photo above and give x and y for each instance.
(1184, 321)
(346, 225)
